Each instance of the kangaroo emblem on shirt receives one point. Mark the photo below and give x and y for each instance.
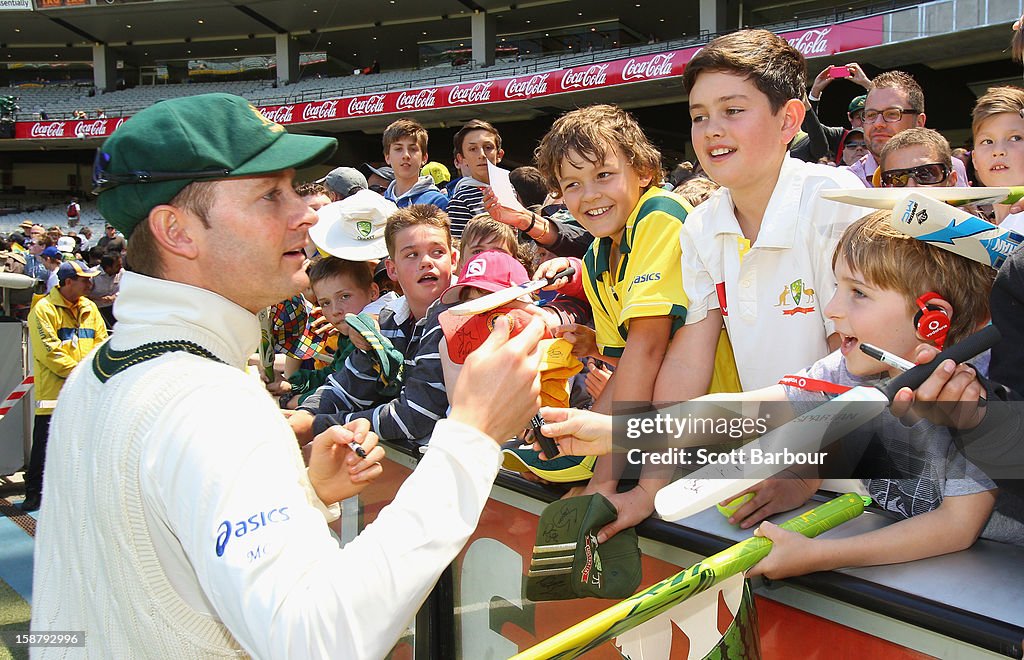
(792, 295)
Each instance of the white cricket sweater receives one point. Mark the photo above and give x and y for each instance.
(178, 520)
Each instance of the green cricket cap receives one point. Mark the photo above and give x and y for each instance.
(857, 104)
(209, 136)
(567, 560)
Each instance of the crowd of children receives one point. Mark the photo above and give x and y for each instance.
(740, 278)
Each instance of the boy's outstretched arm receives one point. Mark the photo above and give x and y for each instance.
(685, 372)
(633, 383)
(954, 526)
(638, 378)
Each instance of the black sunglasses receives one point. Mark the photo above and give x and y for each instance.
(926, 175)
(103, 180)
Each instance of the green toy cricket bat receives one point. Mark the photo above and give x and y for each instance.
(651, 602)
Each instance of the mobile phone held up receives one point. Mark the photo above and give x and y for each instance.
(839, 72)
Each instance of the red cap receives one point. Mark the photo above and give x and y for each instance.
(491, 270)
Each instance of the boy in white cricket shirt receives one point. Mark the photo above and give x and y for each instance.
(756, 255)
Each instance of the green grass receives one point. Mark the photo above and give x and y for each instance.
(15, 614)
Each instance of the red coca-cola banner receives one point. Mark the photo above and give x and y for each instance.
(819, 42)
(79, 128)
(838, 38)
(590, 76)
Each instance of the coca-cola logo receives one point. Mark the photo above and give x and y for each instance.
(320, 111)
(812, 42)
(85, 129)
(592, 76)
(51, 129)
(656, 67)
(476, 93)
(416, 100)
(367, 106)
(282, 114)
(517, 88)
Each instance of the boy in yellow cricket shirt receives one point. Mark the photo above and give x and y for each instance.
(605, 170)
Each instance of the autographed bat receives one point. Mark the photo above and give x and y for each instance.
(887, 198)
(809, 432)
(505, 296)
(947, 227)
(668, 593)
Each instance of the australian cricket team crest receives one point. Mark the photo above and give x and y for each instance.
(364, 229)
(796, 298)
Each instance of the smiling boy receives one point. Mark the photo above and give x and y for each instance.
(405, 150)
(421, 260)
(603, 166)
(756, 255)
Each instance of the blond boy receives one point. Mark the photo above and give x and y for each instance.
(405, 150)
(998, 129)
(943, 502)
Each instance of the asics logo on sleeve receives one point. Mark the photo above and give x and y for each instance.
(645, 277)
(240, 528)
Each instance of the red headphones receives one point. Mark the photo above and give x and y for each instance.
(931, 322)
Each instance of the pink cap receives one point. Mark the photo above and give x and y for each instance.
(491, 270)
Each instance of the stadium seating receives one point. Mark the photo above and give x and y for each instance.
(61, 102)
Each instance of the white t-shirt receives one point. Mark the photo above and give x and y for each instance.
(772, 294)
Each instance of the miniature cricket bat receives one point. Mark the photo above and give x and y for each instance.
(887, 198)
(810, 432)
(505, 296)
(953, 229)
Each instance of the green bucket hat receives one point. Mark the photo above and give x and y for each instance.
(151, 157)
(568, 562)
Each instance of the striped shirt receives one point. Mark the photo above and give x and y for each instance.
(354, 391)
(466, 202)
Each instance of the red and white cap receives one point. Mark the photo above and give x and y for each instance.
(491, 270)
